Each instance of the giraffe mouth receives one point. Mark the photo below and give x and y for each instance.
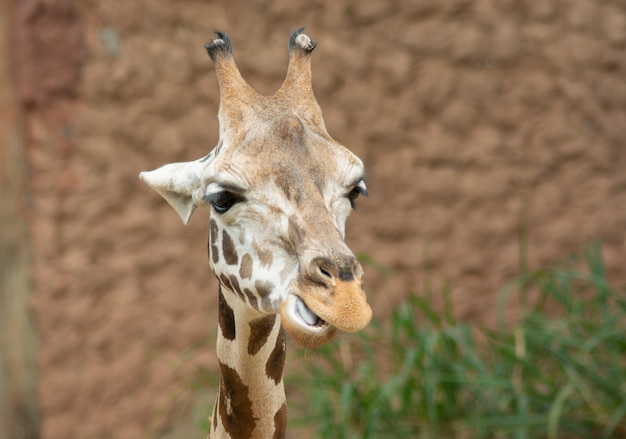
(305, 327)
(302, 316)
(308, 316)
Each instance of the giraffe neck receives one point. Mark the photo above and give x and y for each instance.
(251, 352)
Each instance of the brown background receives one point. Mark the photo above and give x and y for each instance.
(473, 118)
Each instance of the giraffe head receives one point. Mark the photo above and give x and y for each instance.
(280, 190)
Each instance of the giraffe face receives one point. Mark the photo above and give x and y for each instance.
(280, 190)
(279, 203)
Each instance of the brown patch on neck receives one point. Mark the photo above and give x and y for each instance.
(235, 284)
(226, 318)
(276, 361)
(225, 281)
(254, 302)
(235, 406)
(280, 422)
(232, 284)
(260, 330)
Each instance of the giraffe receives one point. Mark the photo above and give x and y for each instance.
(279, 189)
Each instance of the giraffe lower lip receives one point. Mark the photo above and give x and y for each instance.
(305, 313)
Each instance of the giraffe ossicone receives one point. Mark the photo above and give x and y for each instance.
(280, 190)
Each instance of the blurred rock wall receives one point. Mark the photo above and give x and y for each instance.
(475, 119)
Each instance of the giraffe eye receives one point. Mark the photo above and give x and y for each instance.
(357, 190)
(222, 201)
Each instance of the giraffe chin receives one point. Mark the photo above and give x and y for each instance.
(305, 328)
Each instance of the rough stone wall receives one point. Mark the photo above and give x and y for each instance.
(471, 116)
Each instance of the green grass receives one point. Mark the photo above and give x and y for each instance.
(558, 372)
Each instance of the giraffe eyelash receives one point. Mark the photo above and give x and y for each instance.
(358, 189)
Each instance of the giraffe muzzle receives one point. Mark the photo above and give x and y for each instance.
(344, 306)
(327, 298)
(337, 295)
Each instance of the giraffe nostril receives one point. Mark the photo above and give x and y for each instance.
(328, 272)
(325, 273)
(321, 271)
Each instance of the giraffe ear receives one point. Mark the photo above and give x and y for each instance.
(179, 183)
